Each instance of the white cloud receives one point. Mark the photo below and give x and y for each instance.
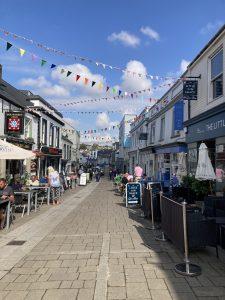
(102, 120)
(43, 87)
(72, 122)
(152, 34)
(211, 27)
(183, 66)
(126, 38)
(132, 83)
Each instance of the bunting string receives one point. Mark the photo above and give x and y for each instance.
(86, 81)
(30, 109)
(84, 59)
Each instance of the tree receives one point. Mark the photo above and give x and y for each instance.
(94, 147)
(83, 147)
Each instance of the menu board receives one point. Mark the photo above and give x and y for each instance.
(83, 179)
(156, 188)
(190, 90)
(133, 193)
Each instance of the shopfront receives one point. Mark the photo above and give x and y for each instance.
(209, 128)
(49, 157)
(170, 160)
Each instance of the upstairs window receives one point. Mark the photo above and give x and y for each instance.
(51, 135)
(217, 74)
(44, 132)
(162, 129)
(152, 133)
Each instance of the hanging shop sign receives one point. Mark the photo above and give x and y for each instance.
(51, 151)
(14, 123)
(143, 136)
(190, 90)
(133, 193)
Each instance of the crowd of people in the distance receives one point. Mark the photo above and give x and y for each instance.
(120, 180)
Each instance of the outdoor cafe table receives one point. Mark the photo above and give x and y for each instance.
(29, 193)
(43, 187)
(6, 203)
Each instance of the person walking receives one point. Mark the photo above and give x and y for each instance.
(54, 183)
(138, 172)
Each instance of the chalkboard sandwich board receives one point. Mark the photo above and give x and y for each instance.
(133, 193)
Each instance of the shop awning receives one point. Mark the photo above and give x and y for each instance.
(10, 151)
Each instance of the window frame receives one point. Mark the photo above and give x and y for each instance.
(162, 136)
(213, 79)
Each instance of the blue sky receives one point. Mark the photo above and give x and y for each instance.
(157, 37)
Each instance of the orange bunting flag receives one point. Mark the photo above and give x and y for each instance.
(22, 52)
(85, 80)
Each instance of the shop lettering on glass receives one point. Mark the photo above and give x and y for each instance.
(14, 123)
(190, 90)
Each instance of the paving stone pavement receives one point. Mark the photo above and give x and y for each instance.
(93, 247)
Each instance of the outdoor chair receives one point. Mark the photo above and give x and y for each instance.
(19, 206)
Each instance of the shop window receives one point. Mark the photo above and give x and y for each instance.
(192, 160)
(152, 133)
(27, 128)
(220, 168)
(64, 151)
(162, 129)
(217, 74)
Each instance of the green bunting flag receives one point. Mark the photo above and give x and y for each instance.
(68, 74)
(113, 90)
(8, 46)
(43, 62)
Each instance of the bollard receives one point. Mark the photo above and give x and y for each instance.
(161, 237)
(186, 268)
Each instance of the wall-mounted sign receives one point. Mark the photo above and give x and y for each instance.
(143, 136)
(133, 193)
(190, 90)
(14, 122)
(51, 151)
(209, 128)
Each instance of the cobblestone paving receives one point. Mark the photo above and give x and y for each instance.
(102, 250)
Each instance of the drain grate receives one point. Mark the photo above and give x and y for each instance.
(16, 243)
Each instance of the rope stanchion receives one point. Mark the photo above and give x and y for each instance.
(186, 268)
(153, 226)
(161, 237)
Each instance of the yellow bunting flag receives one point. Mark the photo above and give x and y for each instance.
(22, 52)
(100, 85)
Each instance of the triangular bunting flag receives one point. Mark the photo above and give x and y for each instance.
(93, 83)
(85, 80)
(107, 88)
(8, 46)
(43, 62)
(68, 74)
(113, 90)
(78, 77)
(22, 52)
(53, 66)
(100, 85)
(62, 71)
(120, 93)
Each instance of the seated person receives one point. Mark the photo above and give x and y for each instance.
(33, 181)
(16, 184)
(6, 193)
(43, 180)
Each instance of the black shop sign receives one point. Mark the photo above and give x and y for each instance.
(51, 151)
(190, 90)
(133, 193)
